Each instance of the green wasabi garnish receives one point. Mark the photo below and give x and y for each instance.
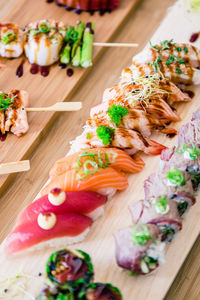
(116, 113)
(105, 133)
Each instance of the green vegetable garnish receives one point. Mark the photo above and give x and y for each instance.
(178, 70)
(185, 49)
(71, 35)
(161, 204)
(94, 161)
(167, 44)
(44, 27)
(172, 58)
(88, 136)
(191, 150)
(178, 49)
(141, 235)
(105, 133)
(116, 113)
(176, 177)
(6, 101)
(8, 37)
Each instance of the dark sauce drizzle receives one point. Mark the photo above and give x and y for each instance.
(190, 93)
(3, 136)
(44, 70)
(70, 72)
(171, 135)
(194, 37)
(34, 69)
(20, 69)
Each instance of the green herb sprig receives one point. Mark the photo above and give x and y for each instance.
(105, 133)
(6, 101)
(191, 149)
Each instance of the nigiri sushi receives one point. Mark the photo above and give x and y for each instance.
(11, 40)
(105, 181)
(46, 231)
(84, 202)
(13, 115)
(103, 157)
(129, 140)
(44, 40)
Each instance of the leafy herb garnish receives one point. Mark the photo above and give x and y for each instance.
(8, 37)
(116, 113)
(71, 35)
(167, 44)
(185, 49)
(105, 133)
(161, 205)
(6, 101)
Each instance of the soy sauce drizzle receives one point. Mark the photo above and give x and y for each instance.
(49, 1)
(191, 94)
(3, 136)
(34, 69)
(20, 71)
(70, 72)
(62, 66)
(171, 135)
(44, 70)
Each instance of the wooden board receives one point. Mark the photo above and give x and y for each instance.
(57, 86)
(100, 238)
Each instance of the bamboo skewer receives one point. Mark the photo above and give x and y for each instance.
(59, 106)
(132, 45)
(14, 167)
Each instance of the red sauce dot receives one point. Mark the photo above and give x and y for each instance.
(56, 191)
(194, 37)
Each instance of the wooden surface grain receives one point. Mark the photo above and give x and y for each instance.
(57, 86)
(139, 26)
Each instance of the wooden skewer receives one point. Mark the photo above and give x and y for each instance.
(132, 45)
(59, 106)
(14, 167)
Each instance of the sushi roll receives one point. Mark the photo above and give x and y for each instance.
(51, 293)
(85, 202)
(69, 269)
(102, 291)
(11, 40)
(47, 230)
(161, 212)
(173, 184)
(44, 40)
(186, 157)
(138, 249)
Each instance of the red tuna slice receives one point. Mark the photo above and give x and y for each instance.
(83, 202)
(29, 234)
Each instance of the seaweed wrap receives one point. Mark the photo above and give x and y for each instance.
(173, 184)
(161, 212)
(69, 269)
(138, 248)
(52, 293)
(101, 291)
(186, 157)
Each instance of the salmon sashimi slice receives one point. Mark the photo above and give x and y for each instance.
(57, 201)
(113, 157)
(66, 225)
(102, 179)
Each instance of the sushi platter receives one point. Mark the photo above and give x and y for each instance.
(88, 201)
(57, 83)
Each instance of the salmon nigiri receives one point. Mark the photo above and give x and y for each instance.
(103, 157)
(46, 231)
(104, 181)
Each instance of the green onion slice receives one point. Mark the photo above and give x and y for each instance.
(191, 150)
(8, 37)
(141, 235)
(44, 27)
(161, 205)
(176, 177)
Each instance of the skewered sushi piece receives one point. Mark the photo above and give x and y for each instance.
(130, 141)
(138, 249)
(11, 40)
(161, 212)
(90, 5)
(13, 115)
(169, 51)
(101, 157)
(187, 158)
(102, 291)
(69, 269)
(173, 184)
(44, 40)
(46, 231)
(86, 203)
(105, 181)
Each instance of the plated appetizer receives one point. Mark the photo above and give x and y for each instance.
(169, 193)
(70, 273)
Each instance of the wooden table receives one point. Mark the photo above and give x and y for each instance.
(139, 27)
